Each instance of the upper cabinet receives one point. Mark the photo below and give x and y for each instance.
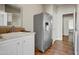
(3, 15)
(10, 15)
(2, 7)
(3, 19)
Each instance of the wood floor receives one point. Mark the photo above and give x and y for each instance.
(60, 47)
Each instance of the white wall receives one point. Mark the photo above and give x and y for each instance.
(29, 10)
(55, 23)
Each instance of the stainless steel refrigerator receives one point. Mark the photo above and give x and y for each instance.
(43, 29)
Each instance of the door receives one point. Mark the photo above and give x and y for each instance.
(28, 45)
(68, 27)
(9, 48)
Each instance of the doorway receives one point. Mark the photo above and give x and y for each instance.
(68, 27)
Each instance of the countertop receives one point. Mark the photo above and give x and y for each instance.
(13, 35)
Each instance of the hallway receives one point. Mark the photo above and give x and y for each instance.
(58, 48)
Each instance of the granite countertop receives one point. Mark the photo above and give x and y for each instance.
(13, 35)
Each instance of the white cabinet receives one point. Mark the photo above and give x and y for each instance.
(3, 19)
(10, 47)
(18, 46)
(28, 45)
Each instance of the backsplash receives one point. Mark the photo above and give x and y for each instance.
(6, 29)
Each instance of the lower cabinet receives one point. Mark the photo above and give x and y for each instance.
(18, 46)
(10, 47)
(28, 46)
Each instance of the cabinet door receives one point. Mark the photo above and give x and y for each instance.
(3, 19)
(9, 48)
(28, 45)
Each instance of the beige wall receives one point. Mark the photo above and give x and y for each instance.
(29, 11)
